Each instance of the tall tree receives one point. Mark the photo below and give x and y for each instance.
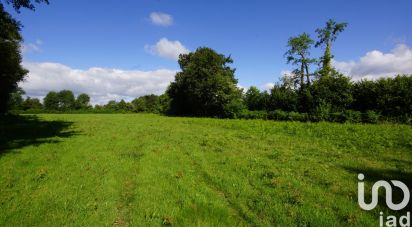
(51, 101)
(66, 100)
(206, 86)
(327, 36)
(299, 54)
(83, 101)
(11, 70)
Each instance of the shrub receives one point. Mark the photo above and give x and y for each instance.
(353, 116)
(280, 115)
(339, 117)
(248, 114)
(371, 117)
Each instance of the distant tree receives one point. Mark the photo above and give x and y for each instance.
(146, 103)
(123, 106)
(51, 101)
(32, 104)
(255, 99)
(66, 100)
(139, 105)
(327, 36)
(299, 54)
(206, 86)
(83, 101)
(163, 104)
(111, 105)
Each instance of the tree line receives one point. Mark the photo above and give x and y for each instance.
(65, 101)
(206, 85)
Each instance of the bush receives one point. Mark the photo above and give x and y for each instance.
(322, 112)
(371, 117)
(339, 117)
(280, 115)
(353, 116)
(257, 114)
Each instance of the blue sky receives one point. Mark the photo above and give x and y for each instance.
(113, 34)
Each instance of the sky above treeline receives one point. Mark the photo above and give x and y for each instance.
(125, 49)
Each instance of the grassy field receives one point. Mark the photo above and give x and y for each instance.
(138, 169)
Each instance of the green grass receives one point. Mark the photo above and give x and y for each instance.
(138, 169)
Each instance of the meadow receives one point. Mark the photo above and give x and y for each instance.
(146, 169)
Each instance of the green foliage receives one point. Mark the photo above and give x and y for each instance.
(66, 100)
(255, 99)
(327, 35)
(83, 101)
(16, 99)
(206, 86)
(299, 54)
(11, 71)
(32, 104)
(390, 96)
(280, 115)
(282, 97)
(146, 103)
(334, 90)
(51, 101)
(254, 114)
(371, 117)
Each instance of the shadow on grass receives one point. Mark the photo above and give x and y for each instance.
(373, 175)
(20, 131)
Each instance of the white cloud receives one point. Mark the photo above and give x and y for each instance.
(102, 84)
(376, 64)
(167, 49)
(268, 86)
(32, 47)
(161, 19)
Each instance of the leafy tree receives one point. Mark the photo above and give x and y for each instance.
(146, 103)
(51, 101)
(66, 100)
(334, 91)
(392, 97)
(206, 86)
(32, 104)
(111, 105)
(83, 101)
(11, 71)
(283, 97)
(299, 54)
(327, 36)
(255, 100)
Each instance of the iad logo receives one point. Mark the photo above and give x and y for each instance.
(390, 220)
(388, 190)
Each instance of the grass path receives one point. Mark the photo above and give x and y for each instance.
(133, 170)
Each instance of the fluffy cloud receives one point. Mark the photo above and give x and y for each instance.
(376, 64)
(102, 84)
(167, 49)
(161, 19)
(268, 86)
